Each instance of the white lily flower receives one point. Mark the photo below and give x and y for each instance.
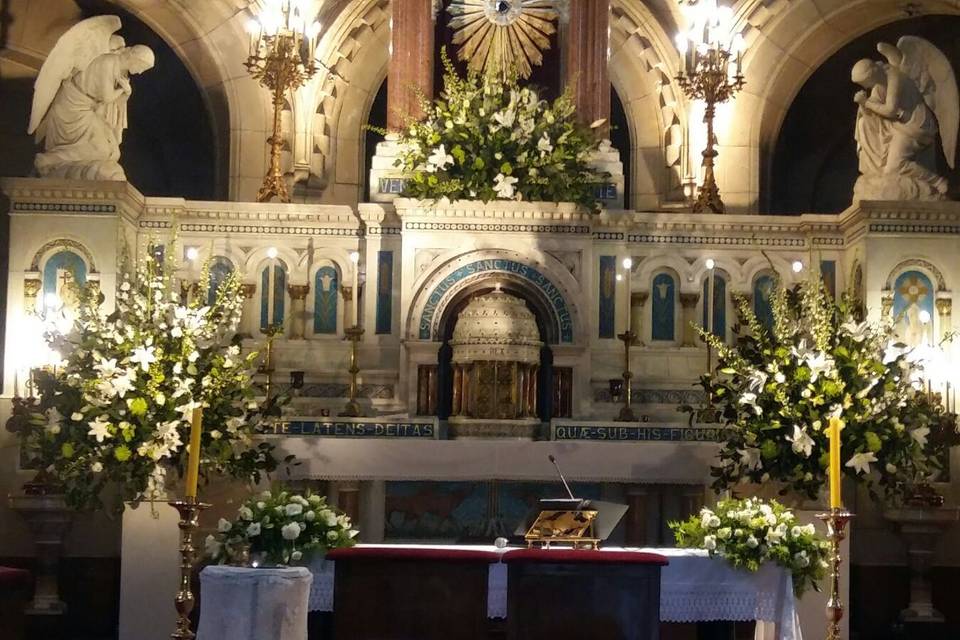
(750, 458)
(861, 462)
(439, 159)
(802, 443)
(503, 185)
(920, 435)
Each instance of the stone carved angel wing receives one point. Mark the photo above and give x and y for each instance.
(926, 65)
(74, 51)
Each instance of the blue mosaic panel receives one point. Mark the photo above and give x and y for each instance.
(719, 305)
(553, 295)
(220, 270)
(62, 273)
(384, 291)
(663, 293)
(607, 297)
(272, 295)
(763, 288)
(828, 271)
(325, 300)
(913, 294)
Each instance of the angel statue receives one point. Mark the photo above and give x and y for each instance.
(904, 103)
(80, 101)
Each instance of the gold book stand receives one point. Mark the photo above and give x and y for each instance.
(565, 527)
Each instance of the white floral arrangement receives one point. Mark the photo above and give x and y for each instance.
(776, 388)
(746, 533)
(488, 138)
(117, 409)
(280, 527)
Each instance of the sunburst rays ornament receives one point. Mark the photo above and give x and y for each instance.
(502, 36)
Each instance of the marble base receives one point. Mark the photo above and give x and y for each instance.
(462, 428)
(49, 519)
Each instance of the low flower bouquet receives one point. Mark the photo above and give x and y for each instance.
(749, 532)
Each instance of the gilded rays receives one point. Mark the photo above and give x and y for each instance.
(497, 36)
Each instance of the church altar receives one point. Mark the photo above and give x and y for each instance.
(694, 587)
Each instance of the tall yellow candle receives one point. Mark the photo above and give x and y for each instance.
(193, 462)
(836, 424)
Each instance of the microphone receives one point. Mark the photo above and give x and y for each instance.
(560, 473)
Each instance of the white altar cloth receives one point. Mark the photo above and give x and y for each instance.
(237, 603)
(693, 588)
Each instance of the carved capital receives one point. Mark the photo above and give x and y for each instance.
(31, 289)
(689, 300)
(346, 291)
(248, 289)
(886, 302)
(298, 291)
(944, 306)
(639, 298)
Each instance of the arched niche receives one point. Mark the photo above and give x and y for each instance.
(814, 162)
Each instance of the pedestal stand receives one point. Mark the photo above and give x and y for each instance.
(49, 519)
(921, 528)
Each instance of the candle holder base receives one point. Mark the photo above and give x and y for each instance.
(836, 520)
(189, 510)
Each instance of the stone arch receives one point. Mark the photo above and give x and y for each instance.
(542, 278)
(62, 244)
(642, 69)
(917, 264)
(786, 42)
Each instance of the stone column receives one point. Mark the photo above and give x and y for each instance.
(346, 293)
(886, 303)
(248, 314)
(638, 498)
(637, 301)
(298, 309)
(585, 59)
(411, 59)
(688, 317)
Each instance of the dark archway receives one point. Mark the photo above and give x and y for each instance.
(376, 118)
(814, 162)
(545, 324)
(622, 141)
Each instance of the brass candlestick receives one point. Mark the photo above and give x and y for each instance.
(189, 510)
(836, 520)
(711, 65)
(626, 412)
(282, 58)
(352, 410)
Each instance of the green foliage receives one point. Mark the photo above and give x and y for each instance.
(489, 138)
(747, 533)
(281, 527)
(776, 389)
(116, 410)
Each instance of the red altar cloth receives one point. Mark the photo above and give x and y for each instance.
(432, 554)
(566, 556)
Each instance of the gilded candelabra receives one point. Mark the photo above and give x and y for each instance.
(189, 510)
(711, 57)
(352, 410)
(282, 58)
(626, 411)
(836, 520)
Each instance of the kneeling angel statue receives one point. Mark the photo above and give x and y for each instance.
(904, 104)
(80, 101)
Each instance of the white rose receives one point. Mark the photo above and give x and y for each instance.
(223, 525)
(296, 555)
(709, 542)
(212, 545)
(809, 529)
(310, 516)
(714, 521)
(96, 467)
(329, 517)
(294, 509)
(290, 531)
(245, 513)
(253, 529)
(796, 532)
(261, 505)
(737, 533)
(315, 499)
(752, 542)
(724, 533)
(76, 416)
(771, 519)
(332, 536)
